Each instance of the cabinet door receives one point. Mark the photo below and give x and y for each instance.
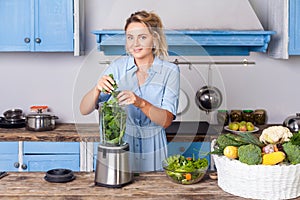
(190, 149)
(15, 25)
(36, 25)
(294, 27)
(53, 25)
(8, 156)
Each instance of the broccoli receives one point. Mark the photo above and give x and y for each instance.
(292, 151)
(250, 154)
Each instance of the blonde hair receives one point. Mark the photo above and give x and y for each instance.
(154, 24)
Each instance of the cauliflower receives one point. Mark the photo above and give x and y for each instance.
(275, 134)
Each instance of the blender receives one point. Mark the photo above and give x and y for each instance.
(113, 165)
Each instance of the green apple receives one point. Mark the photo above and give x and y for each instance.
(243, 123)
(233, 126)
(250, 126)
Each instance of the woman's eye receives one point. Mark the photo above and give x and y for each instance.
(129, 38)
(143, 37)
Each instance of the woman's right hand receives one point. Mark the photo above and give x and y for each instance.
(105, 84)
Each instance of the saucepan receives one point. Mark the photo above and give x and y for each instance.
(14, 115)
(40, 121)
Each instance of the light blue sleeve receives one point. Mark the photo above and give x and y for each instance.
(171, 93)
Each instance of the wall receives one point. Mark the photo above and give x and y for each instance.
(60, 79)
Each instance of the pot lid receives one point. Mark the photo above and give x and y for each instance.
(39, 115)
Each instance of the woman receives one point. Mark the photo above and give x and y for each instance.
(149, 86)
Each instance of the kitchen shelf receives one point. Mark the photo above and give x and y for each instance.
(194, 42)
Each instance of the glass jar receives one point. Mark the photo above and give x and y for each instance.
(112, 123)
(260, 117)
(248, 116)
(236, 116)
(223, 117)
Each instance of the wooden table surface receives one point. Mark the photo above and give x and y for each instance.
(31, 185)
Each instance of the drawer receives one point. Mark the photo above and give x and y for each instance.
(51, 148)
(47, 162)
(9, 147)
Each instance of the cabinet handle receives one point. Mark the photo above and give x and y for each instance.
(26, 40)
(24, 166)
(38, 40)
(16, 165)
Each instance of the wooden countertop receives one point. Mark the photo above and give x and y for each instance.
(70, 132)
(31, 185)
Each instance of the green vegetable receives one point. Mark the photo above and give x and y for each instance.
(113, 119)
(292, 151)
(178, 166)
(250, 154)
(230, 139)
(295, 139)
(115, 86)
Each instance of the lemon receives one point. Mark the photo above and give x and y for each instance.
(231, 152)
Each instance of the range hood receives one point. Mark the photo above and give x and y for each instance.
(194, 42)
(225, 28)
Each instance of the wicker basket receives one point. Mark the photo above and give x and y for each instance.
(258, 181)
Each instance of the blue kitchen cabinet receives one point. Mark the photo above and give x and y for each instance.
(294, 27)
(43, 156)
(36, 25)
(8, 156)
(190, 149)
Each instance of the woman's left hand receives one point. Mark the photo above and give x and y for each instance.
(127, 97)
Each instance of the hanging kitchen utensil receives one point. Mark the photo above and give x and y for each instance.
(208, 98)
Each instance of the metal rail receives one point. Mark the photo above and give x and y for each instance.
(244, 62)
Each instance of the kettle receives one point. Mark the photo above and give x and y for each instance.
(293, 123)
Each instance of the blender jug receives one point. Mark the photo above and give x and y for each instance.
(113, 165)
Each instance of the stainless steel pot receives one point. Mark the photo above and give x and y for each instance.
(40, 122)
(293, 123)
(14, 115)
(208, 98)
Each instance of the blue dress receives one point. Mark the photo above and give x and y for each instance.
(147, 140)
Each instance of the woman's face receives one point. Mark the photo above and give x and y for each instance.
(139, 41)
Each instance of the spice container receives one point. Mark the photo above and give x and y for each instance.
(248, 116)
(236, 116)
(223, 117)
(260, 117)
